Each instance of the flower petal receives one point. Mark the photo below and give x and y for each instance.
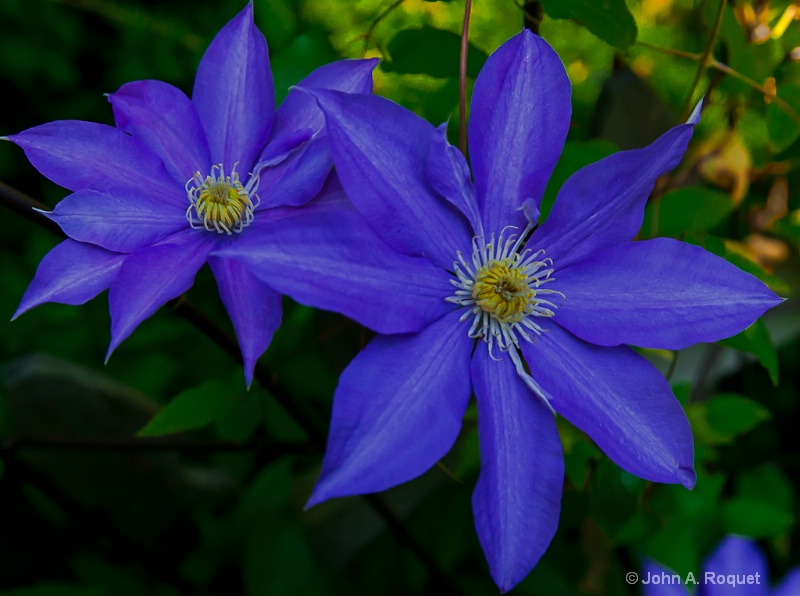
(602, 205)
(397, 410)
(165, 119)
(153, 275)
(517, 499)
(295, 180)
(381, 150)
(735, 556)
(448, 174)
(71, 273)
(789, 585)
(650, 569)
(334, 261)
(233, 93)
(620, 400)
(519, 117)
(254, 309)
(88, 156)
(659, 294)
(299, 111)
(120, 221)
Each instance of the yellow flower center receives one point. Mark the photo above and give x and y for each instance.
(502, 290)
(219, 203)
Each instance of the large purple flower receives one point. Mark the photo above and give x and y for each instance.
(178, 178)
(472, 288)
(737, 566)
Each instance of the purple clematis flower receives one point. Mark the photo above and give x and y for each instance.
(178, 178)
(737, 566)
(471, 296)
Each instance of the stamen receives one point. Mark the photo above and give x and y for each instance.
(502, 288)
(219, 203)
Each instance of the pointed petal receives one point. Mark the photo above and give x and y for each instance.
(71, 273)
(121, 221)
(397, 410)
(295, 180)
(330, 199)
(88, 156)
(519, 117)
(735, 556)
(448, 174)
(650, 569)
(659, 294)
(620, 400)
(602, 205)
(165, 119)
(334, 261)
(381, 150)
(254, 309)
(789, 585)
(299, 111)
(517, 499)
(153, 275)
(233, 93)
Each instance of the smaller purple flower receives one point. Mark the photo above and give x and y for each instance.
(178, 178)
(469, 295)
(736, 566)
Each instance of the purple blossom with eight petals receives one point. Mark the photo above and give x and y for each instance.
(473, 297)
(178, 178)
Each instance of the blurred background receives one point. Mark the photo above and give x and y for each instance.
(211, 502)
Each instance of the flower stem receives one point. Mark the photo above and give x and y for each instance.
(705, 59)
(462, 80)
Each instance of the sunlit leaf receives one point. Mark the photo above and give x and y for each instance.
(689, 209)
(431, 51)
(783, 130)
(610, 20)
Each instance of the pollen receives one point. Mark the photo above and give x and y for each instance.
(220, 203)
(502, 290)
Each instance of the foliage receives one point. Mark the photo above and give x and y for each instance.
(202, 520)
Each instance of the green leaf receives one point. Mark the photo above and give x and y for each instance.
(767, 484)
(731, 415)
(613, 497)
(610, 20)
(783, 130)
(756, 340)
(194, 408)
(751, 517)
(434, 52)
(690, 209)
(576, 461)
